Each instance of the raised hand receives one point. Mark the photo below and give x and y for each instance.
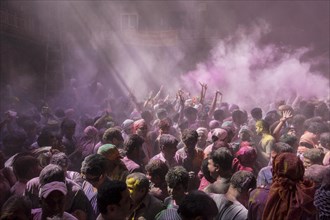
(204, 85)
(151, 93)
(180, 95)
(286, 115)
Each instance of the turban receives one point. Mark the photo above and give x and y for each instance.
(309, 138)
(139, 124)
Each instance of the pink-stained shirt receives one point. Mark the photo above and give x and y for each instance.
(169, 163)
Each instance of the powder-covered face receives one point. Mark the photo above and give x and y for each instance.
(259, 127)
(135, 193)
(142, 131)
(132, 184)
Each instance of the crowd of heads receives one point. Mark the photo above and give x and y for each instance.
(167, 159)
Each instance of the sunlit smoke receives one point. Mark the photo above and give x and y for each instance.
(247, 69)
(251, 74)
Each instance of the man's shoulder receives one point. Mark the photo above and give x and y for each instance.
(181, 150)
(268, 138)
(157, 157)
(153, 201)
(229, 209)
(265, 169)
(68, 216)
(73, 186)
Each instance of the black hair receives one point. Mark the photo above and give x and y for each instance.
(289, 139)
(316, 173)
(198, 204)
(157, 168)
(60, 159)
(161, 113)
(206, 172)
(308, 110)
(222, 157)
(184, 124)
(256, 113)
(281, 147)
(146, 115)
(94, 165)
(13, 143)
(134, 141)
(110, 134)
(298, 121)
(46, 137)
(59, 112)
(325, 140)
(22, 165)
(164, 124)
(67, 123)
(14, 204)
(29, 124)
(243, 181)
(190, 110)
(322, 110)
(51, 173)
(271, 117)
(167, 140)
(176, 176)
(317, 128)
(109, 193)
(315, 155)
(238, 116)
(189, 134)
(219, 115)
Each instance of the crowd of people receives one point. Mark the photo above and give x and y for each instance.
(182, 158)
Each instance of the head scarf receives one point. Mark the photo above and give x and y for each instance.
(88, 141)
(309, 138)
(290, 196)
(46, 189)
(245, 158)
(138, 124)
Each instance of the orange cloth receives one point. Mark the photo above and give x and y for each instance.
(290, 196)
(309, 138)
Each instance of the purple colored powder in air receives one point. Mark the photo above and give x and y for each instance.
(252, 74)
